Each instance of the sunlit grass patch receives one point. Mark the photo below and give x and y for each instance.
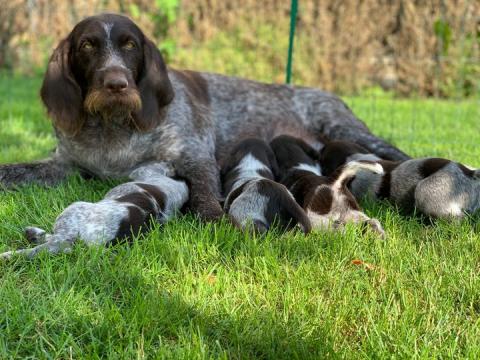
(193, 290)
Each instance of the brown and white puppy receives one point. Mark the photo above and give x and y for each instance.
(253, 197)
(125, 211)
(436, 187)
(326, 200)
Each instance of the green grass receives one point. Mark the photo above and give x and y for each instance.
(190, 290)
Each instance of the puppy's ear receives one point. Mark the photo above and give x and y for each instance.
(61, 93)
(274, 165)
(310, 151)
(155, 87)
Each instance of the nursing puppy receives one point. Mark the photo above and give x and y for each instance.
(326, 200)
(336, 153)
(436, 187)
(126, 210)
(253, 197)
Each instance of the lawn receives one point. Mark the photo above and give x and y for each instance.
(190, 290)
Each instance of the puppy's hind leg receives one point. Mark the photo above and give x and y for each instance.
(434, 198)
(359, 217)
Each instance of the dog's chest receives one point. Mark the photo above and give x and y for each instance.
(115, 155)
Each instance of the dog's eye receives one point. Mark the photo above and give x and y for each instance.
(129, 45)
(87, 45)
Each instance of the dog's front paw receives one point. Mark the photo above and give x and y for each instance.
(6, 255)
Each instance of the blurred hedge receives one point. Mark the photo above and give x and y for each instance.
(412, 47)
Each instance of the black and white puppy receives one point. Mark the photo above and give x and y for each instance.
(436, 187)
(125, 211)
(253, 198)
(326, 200)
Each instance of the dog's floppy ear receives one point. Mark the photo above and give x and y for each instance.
(155, 87)
(61, 93)
(309, 150)
(273, 164)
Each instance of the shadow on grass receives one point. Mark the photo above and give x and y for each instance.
(102, 306)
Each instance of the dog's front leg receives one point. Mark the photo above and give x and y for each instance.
(203, 179)
(52, 246)
(44, 172)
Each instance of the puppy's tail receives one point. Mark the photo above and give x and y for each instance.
(350, 169)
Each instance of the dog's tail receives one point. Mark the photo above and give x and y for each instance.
(350, 169)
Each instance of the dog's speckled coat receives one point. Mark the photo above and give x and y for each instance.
(115, 106)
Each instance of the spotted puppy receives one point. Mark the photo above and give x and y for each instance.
(436, 187)
(253, 197)
(326, 200)
(126, 209)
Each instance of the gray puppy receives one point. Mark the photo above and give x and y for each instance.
(326, 200)
(126, 210)
(436, 187)
(253, 197)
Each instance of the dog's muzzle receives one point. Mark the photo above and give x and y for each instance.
(114, 94)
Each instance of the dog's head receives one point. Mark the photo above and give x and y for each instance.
(107, 67)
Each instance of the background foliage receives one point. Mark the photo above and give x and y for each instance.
(412, 47)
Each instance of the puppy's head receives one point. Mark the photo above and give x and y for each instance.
(106, 66)
(252, 154)
(261, 203)
(336, 153)
(292, 153)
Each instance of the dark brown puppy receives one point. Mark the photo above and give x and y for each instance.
(336, 153)
(326, 200)
(253, 197)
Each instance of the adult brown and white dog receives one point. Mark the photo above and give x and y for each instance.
(326, 200)
(115, 105)
(434, 186)
(253, 197)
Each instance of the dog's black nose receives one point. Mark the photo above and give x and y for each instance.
(115, 84)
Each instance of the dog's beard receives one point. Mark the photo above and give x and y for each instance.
(113, 107)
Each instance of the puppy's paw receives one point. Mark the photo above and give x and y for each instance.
(375, 225)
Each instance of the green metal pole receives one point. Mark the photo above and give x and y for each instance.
(293, 21)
